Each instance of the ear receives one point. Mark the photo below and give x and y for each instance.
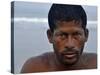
(49, 35)
(86, 34)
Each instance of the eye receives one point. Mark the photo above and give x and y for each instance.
(61, 35)
(77, 33)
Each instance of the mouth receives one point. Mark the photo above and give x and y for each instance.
(69, 55)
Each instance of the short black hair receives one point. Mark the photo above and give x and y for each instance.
(65, 12)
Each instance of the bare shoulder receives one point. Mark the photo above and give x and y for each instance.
(28, 65)
(90, 56)
(90, 60)
(36, 64)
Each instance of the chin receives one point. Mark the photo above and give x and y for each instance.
(70, 61)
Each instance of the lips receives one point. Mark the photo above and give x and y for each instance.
(69, 55)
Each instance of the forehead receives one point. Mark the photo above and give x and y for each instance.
(69, 23)
(69, 26)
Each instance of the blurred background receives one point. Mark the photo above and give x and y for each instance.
(30, 26)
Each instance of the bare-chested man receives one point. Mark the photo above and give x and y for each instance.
(68, 34)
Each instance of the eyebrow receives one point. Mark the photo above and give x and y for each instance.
(66, 33)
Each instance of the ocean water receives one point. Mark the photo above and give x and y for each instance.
(30, 40)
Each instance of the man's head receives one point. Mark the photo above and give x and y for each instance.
(67, 32)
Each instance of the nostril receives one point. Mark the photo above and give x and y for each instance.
(69, 44)
(69, 48)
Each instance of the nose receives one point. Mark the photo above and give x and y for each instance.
(70, 44)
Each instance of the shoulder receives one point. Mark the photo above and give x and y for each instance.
(90, 56)
(90, 60)
(36, 64)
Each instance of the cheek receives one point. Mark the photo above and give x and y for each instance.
(58, 44)
(80, 42)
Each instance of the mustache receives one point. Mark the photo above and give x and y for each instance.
(69, 51)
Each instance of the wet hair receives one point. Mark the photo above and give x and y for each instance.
(65, 12)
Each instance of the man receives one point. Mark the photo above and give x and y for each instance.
(68, 34)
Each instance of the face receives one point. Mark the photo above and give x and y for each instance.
(68, 41)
